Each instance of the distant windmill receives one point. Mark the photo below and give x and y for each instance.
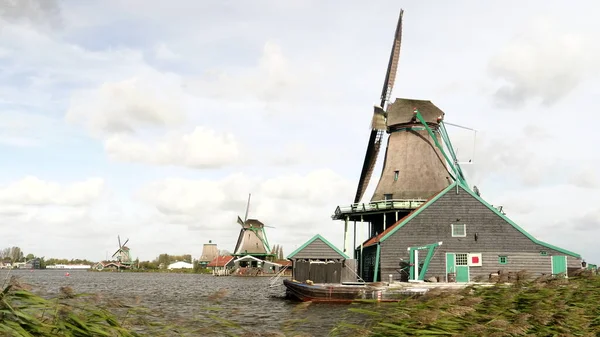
(252, 239)
(123, 254)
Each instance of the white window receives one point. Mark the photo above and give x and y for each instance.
(459, 230)
(462, 259)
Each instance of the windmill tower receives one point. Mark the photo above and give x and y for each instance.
(415, 166)
(209, 253)
(123, 255)
(252, 239)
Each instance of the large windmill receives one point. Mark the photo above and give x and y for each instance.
(415, 166)
(123, 254)
(252, 239)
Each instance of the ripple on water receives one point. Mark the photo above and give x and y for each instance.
(244, 300)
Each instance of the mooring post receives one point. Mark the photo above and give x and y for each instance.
(345, 234)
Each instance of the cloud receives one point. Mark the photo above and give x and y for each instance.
(33, 191)
(150, 99)
(585, 177)
(200, 149)
(162, 52)
(275, 78)
(544, 63)
(299, 206)
(44, 12)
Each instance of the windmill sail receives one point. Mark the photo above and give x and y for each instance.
(378, 123)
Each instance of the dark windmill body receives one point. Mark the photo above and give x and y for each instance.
(423, 220)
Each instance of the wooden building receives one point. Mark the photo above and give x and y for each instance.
(320, 261)
(477, 240)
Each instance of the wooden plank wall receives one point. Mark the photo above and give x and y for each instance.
(495, 237)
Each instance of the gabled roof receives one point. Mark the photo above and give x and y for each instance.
(319, 237)
(392, 229)
(220, 261)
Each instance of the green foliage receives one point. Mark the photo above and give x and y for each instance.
(544, 307)
(12, 255)
(53, 261)
(23, 313)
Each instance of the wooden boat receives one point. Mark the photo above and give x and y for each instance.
(331, 292)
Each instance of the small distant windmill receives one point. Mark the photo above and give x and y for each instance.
(123, 254)
(252, 239)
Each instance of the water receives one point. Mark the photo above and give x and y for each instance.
(245, 300)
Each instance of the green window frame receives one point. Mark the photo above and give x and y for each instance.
(503, 259)
(396, 174)
(543, 253)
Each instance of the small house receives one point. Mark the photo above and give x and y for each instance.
(221, 265)
(320, 261)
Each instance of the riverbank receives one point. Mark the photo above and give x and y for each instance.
(198, 305)
(543, 307)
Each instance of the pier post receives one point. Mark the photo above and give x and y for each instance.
(346, 234)
(384, 222)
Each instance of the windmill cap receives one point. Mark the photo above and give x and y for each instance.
(402, 111)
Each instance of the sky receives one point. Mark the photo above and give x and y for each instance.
(154, 120)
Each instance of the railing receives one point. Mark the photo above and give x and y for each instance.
(274, 279)
(380, 205)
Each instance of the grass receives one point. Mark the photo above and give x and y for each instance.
(543, 307)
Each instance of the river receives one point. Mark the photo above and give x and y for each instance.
(247, 301)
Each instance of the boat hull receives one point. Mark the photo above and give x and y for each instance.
(327, 292)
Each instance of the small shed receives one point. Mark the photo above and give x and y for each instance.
(321, 262)
(221, 262)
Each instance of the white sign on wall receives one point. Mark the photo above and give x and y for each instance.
(475, 260)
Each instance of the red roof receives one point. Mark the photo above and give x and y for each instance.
(284, 262)
(220, 261)
(376, 239)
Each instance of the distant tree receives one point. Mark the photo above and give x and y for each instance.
(224, 252)
(151, 265)
(187, 258)
(13, 253)
(29, 257)
(163, 260)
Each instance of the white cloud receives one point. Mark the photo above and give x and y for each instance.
(151, 99)
(162, 52)
(34, 191)
(275, 78)
(298, 206)
(32, 11)
(546, 63)
(202, 148)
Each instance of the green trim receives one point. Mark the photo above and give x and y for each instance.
(318, 236)
(451, 163)
(510, 222)
(529, 236)
(543, 253)
(503, 259)
(377, 254)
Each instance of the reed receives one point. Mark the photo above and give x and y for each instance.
(543, 307)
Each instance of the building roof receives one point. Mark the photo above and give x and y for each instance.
(284, 262)
(180, 265)
(401, 111)
(220, 261)
(317, 237)
(395, 227)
